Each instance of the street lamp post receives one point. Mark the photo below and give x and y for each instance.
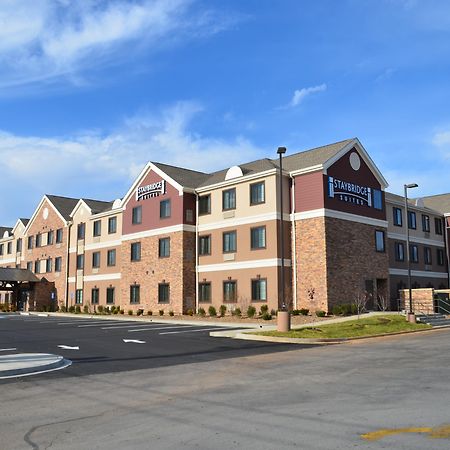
(408, 250)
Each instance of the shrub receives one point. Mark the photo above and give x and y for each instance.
(171, 313)
(320, 313)
(107, 310)
(116, 310)
(86, 309)
(336, 310)
(251, 311)
(72, 309)
(295, 312)
(266, 316)
(236, 312)
(212, 311)
(140, 312)
(63, 309)
(100, 309)
(264, 309)
(304, 311)
(78, 309)
(273, 312)
(190, 312)
(149, 312)
(130, 312)
(122, 311)
(201, 312)
(222, 310)
(161, 312)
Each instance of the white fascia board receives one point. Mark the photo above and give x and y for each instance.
(311, 169)
(18, 223)
(243, 179)
(365, 156)
(418, 240)
(418, 273)
(110, 212)
(33, 217)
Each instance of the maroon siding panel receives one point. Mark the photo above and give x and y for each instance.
(189, 201)
(309, 193)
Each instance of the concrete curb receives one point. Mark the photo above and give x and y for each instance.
(25, 364)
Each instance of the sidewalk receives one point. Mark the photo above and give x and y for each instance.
(25, 364)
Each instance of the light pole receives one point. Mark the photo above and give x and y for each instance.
(408, 251)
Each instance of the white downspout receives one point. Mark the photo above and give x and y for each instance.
(294, 244)
(196, 253)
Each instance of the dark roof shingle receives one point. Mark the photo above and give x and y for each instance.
(17, 275)
(64, 205)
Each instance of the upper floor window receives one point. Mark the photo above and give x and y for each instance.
(9, 248)
(440, 257)
(412, 224)
(379, 241)
(427, 255)
(204, 204)
(58, 264)
(229, 242)
(398, 217)
(1, 249)
(96, 260)
(59, 235)
(438, 225)
(164, 209)
(229, 199)
(19, 245)
(37, 266)
(112, 225)
(50, 237)
(38, 240)
(81, 231)
(258, 237)
(97, 228)
(49, 265)
(204, 245)
(136, 251)
(399, 251)
(80, 262)
(377, 199)
(257, 193)
(425, 223)
(414, 253)
(30, 266)
(111, 257)
(30, 242)
(136, 215)
(164, 247)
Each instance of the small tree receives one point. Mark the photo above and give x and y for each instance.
(360, 302)
(382, 302)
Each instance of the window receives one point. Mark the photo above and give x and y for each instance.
(379, 241)
(58, 264)
(399, 251)
(440, 256)
(164, 247)
(136, 251)
(257, 193)
(229, 242)
(110, 295)
(229, 199)
(427, 255)
(96, 260)
(136, 215)
(97, 228)
(259, 289)
(204, 244)
(30, 266)
(398, 217)
(135, 294)
(414, 252)
(163, 293)
(258, 237)
(37, 266)
(38, 240)
(9, 248)
(59, 235)
(81, 231)
(95, 294)
(164, 209)
(49, 265)
(79, 297)
(111, 258)
(204, 292)
(377, 199)
(30, 242)
(412, 224)
(425, 223)
(1, 249)
(112, 225)
(50, 236)
(438, 225)
(19, 245)
(204, 204)
(229, 291)
(80, 262)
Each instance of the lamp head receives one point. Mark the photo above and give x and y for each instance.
(411, 186)
(281, 150)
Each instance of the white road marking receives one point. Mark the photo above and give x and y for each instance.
(129, 325)
(191, 331)
(76, 322)
(68, 347)
(134, 341)
(160, 328)
(7, 349)
(112, 325)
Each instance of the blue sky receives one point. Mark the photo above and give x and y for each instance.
(90, 91)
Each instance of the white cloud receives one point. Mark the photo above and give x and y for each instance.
(301, 94)
(50, 40)
(99, 165)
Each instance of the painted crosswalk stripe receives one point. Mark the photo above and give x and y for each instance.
(191, 331)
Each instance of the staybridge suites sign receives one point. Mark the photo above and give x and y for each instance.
(151, 190)
(354, 193)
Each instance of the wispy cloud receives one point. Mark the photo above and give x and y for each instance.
(89, 163)
(49, 40)
(300, 95)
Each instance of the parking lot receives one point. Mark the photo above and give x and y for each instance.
(103, 346)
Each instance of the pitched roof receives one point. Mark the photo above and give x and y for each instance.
(3, 229)
(411, 201)
(185, 177)
(98, 206)
(64, 205)
(17, 275)
(440, 202)
(24, 221)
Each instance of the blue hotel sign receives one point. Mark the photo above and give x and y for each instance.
(354, 193)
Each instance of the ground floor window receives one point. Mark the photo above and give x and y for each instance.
(110, 295)
(163, 293)
(229, 291)
(204, 292)
(135, 293)
(95, 293)
(259, 289)
(79, 296)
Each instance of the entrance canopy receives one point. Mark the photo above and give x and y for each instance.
(10, 278)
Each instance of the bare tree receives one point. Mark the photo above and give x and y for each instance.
(382, 302)
(360, 302)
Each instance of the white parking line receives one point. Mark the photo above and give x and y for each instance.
(7, 349)
(130, 325)
(76, 323)
(112, 325)
(191, 331)
(162, 328)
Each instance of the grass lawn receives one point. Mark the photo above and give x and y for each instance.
(353, 328)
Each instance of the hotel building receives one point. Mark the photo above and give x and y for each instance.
(181, 239)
